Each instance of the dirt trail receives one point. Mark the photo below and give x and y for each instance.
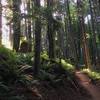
(91, 88)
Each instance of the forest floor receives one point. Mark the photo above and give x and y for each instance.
(92, 87)
(84, 90)
(62, 91)
(57, 80)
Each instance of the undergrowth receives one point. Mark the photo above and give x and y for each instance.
(15, 70)
(92, 74)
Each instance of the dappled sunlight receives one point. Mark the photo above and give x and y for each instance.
(5, 27)
(67, 65)
(87, 19)
(92, 74)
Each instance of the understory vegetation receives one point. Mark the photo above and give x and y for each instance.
(17, 79)
(95, 75)
(16, 70)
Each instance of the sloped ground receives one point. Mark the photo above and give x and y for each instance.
(59, 82)
(81, 88)
(65, 91)
(45, 90)
(92, 87)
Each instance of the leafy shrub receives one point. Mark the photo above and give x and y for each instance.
(7, 56)
(8, 63)
(47, 63)
(3, 88)
(92, 74)
(67, 66)
(8, 93)
(55, 69)
(25, 58)
(44, 55)
(10, 69)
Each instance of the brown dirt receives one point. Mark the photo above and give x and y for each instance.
(93, 89)
(59, 91)
(80, 89)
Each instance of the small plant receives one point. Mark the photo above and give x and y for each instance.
(25, 58)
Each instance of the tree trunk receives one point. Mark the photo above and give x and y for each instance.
(37, 48)
(70, 36)
(50, 30)
(94, 44)
(29, 28)
(0, 23)
(83, 34)
(16, 25)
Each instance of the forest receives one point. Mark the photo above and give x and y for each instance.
(49, 49)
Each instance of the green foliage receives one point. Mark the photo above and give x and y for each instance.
(8, 64)
(45, 75)
(55, 69)
(7, 57)
(12, 73)
(45, 61)
(25, 58)
(92, 74)
(6, 93)
(11, 69)
(44, 56)
(3, 87)
(67, 66)
(13, 66)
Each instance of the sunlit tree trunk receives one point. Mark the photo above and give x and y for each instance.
(0, 23)
(10, 35)
(33, 21)
(25, 21)
(83, 34)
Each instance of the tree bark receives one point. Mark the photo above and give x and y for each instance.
(37, 48)
(0, 23)
(94, 44)
(83, 34)
(50, 30)
(16, 25)
(29, 37)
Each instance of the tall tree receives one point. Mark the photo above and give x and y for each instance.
(50, 29)
(94, 34)
(70, 35)
(83, 33)
(37, 48)
(16, 24)
(29, 35)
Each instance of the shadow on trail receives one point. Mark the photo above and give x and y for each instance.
(86, 83)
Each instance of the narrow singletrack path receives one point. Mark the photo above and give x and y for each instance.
(85, 82)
